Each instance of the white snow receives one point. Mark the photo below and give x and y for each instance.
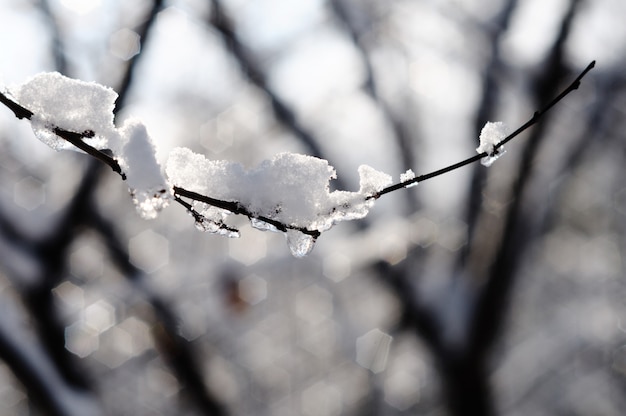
(291, 188)
(407, 176)
(70, 104)
(135, 153)
(491, 134)
(78, 106)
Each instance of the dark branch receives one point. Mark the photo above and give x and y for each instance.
(538, 114)
(519, 227)
(199, 218)
(237, 208)
(77, 140)
(58, 48)
(72, 137)
(19, 111)
(490, 90)
(533, 120)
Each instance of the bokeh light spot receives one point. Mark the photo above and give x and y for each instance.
(372, 350)
(253, 289)
(149, 251)
(81, 339)
(81, 6)
(321, 399)
(29, 193)
(314, 304)
(402, 390)
(337, 267)
(100, 316)
(124, 44)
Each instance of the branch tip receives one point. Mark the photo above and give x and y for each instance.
(533, 120)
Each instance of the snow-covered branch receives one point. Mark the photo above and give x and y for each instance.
(288, 194)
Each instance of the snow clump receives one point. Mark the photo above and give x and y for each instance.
(79, 107)
(291, 189)
(491, 134)
(407, 176)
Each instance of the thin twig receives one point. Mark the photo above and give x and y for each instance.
(533, 120)
(77, 140)
(19, 111)
(72, 137)
(199, 218)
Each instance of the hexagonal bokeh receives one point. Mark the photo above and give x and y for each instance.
(453, 234)
(117, 347)
(100, 316)
(253, 289)
(337, 267)
(248, 250)
(11, 393)
(87, 262)
(321, 399)
(29, 193)
(424, 232)
(218, 134)
(162, 381)
(123, 342)
(81, 339)
(402, 390)
(124, 44)
(257, 350)
(314, 304)
(69, 297)
(149, 251)
(372, 350)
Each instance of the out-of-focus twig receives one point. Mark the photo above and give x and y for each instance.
(144, 31)
(222, 23)
(493, 298)
(486, 110)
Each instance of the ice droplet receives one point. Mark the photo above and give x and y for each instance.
(299, 243)
(149, 204)
(209, 226)
(262, 225)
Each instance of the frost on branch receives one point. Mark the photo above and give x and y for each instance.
(491, 134)
(76, 106)
(290, 189)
